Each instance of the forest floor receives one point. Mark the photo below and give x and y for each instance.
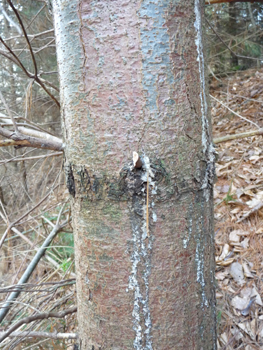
(238, 201)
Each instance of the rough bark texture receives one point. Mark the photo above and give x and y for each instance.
(212, 2)
(132, 79)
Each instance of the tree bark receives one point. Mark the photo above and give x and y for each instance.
(132, 79)
(211, 2)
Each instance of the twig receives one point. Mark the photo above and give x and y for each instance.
(25, 35)
(55, 154)
(31, 141)
(41, 316)
(24, 215)
(17, 61)
(9, 112)
(33, 287)
(32, 334)
(238, 115)
(244, 97)
(219, 37)
(31, 35)
(32, 20)
(255, 209)
(31, 267)
(27, 123)
(15, 230)
(238, 136)
(9, 19)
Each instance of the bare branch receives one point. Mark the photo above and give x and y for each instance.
(47, 82)
(15, 230)
(41, 316)
(32, 125)
(17, 159)
(238, 136)
(32, 35)
(31, 141)
(31, 267)
(17, 61)
(25, 35)
(32, 334)
(9, 19)
(8, 111)
(24, 215)
(38, 12)
(238, 115)
(219, 37)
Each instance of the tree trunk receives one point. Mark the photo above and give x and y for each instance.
(132, 79)
(212, 2)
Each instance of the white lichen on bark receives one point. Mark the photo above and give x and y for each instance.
(200, 59)
(208, 148)
(142, 249)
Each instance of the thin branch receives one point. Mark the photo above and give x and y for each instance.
(225, 44)
(31, 124)
(39, 81)
(45, 46)
(32, 20)
(32, 35)
(39, 134)
(16, 159)
(17, 61)
(24, 215)
(32, 334)
(41, 316)
(15, 230)
(9, 19)
(238, 115)
(9, 112)
(244, 97)
(3, 53)
(25, 35)
(31, 267)
(31, 141)
(238, 136)
(48, 83)
(35, 287)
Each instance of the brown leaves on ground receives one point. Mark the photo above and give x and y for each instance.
(238, 199)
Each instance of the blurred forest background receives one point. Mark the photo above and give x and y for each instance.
(34, 199)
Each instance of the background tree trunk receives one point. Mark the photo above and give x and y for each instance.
(132, 79)
(232, 30)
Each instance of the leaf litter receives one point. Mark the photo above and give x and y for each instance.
(238, 201)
